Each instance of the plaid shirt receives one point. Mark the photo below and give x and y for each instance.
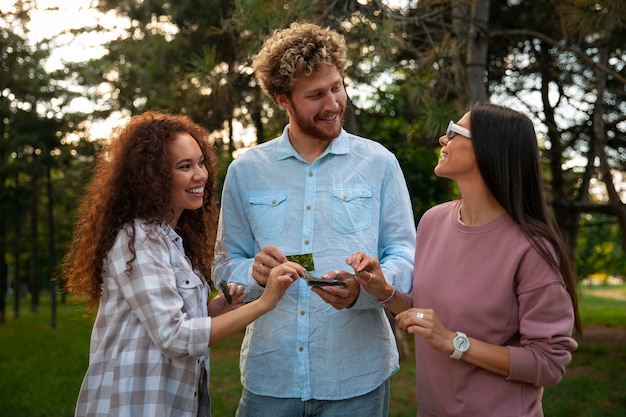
(149, 345)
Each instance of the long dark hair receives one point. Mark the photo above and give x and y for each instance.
(132, 180)
(507, 154)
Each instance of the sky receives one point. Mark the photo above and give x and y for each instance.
(54, 17)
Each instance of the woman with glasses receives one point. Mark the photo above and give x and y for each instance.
(494, 303)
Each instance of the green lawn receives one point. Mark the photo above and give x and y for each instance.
(41, 368)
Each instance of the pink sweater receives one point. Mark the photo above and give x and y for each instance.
(490, 283)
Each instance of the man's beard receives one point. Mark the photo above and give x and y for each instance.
(309, 128)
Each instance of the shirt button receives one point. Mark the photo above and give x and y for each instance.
(345, 197)
(273, 202)
(310, 174)
(187, 282)
(301, 348)
(302, 313)
(308, 207)
(306, 242)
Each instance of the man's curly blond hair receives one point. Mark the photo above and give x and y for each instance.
(300, 49)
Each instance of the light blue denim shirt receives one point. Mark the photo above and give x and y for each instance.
(352, 198)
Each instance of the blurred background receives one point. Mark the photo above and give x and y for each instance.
(71, 71)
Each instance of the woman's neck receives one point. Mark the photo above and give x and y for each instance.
(479, 209)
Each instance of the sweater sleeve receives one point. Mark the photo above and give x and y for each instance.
(546, 325)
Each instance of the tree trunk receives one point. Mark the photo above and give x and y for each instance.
(350, 123)
(3, 264)
(476, 55)
(17, 290)
(33, 281)
(4, 208)
(51, 255)
(566, 216)
(599, 132)
(257, 120)
(460, 21)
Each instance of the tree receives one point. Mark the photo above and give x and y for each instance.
(558, 61)
(598, 248)
(577, 61)
(21, 74)
(33, 110)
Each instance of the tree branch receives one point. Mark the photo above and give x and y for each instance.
(563, 47)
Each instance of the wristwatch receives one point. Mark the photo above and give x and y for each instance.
(461, 343)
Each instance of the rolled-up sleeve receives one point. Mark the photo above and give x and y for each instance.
(396, 238)
(546, 326)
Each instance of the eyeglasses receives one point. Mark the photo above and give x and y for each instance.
(453, 129)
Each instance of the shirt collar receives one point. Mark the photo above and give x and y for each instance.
(174, 237)
(339, 146)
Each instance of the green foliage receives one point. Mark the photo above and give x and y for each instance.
(405, 134)
(306, 260)
(268, 15)
(598, 248)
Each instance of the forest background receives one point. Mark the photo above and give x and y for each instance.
(414, 66)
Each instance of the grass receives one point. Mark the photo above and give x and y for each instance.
(41, 368)
(593, 386)
(598, 310)
(595, 381)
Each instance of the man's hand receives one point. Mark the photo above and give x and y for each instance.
(264, 261)
(339, 297)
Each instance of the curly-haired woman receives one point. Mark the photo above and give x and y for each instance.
(142, 251)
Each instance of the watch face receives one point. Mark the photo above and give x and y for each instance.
(460, 343)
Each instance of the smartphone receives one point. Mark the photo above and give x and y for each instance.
(224, 288)
(313, 280)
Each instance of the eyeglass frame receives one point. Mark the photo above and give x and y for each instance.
(454, 129)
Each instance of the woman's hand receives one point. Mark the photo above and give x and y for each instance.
(218, 305)
(279, 279)
(424, 322)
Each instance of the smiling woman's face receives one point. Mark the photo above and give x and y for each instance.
(189, 175)
(457, 158)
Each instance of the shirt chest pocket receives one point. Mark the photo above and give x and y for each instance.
(267, 212)
(352, 208)
(190, 288)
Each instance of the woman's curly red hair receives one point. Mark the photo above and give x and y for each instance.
(132, 180)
